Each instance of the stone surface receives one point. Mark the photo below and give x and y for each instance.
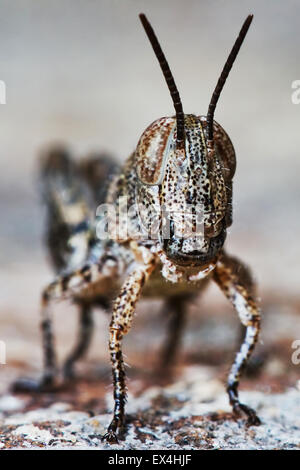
(191, 413)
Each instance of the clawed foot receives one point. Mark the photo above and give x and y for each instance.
(252, 418)
(110, 437)
(115, 429)
(27, 385)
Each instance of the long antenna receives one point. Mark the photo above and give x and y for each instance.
(224, 74)
(168, 77)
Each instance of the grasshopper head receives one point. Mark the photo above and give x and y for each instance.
(191, 188)
(185, 165)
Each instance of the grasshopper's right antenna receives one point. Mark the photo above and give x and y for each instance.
(224, 74)
(168, 77)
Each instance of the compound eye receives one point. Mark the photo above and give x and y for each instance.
(153, 149)
(224, 149)
(213, 231)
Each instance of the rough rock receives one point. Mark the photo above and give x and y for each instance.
(191, 413)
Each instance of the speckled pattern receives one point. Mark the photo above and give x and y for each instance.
(187, 184)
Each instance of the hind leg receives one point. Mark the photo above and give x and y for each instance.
(85, 333)
(176, 309)
(235, 281)
(86, 325)
(68, 286)
(49, 357)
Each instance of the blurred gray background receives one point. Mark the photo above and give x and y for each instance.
(83, 72)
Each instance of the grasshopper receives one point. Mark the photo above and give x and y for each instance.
(178, 185)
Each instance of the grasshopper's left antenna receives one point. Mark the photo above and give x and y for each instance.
(168, 77)
(224, 74)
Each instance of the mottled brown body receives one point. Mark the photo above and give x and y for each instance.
(178, 186)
